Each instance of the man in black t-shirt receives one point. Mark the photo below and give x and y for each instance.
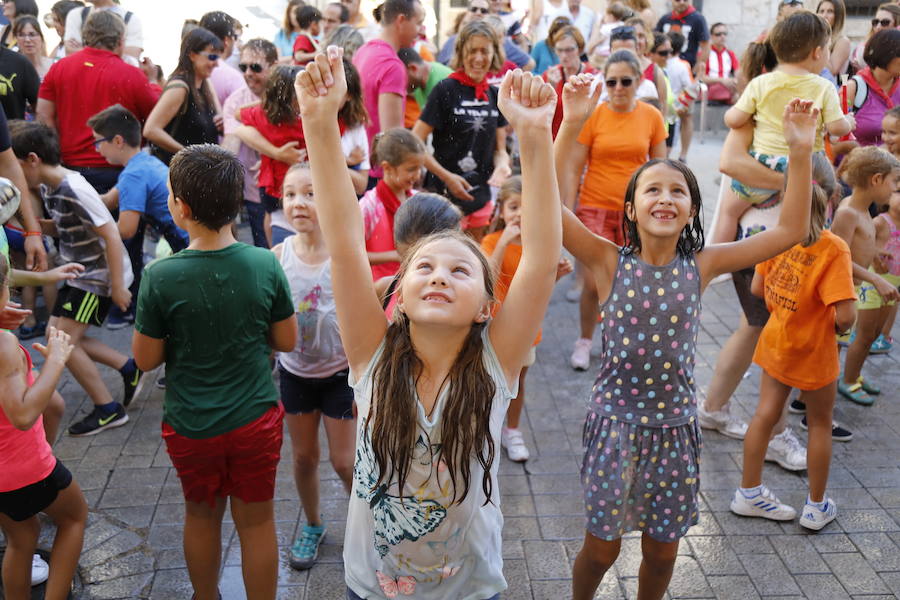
(686, 19)
(19, 83)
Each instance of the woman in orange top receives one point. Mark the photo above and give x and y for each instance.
(809, 293)
(619, 136)
(568, 44)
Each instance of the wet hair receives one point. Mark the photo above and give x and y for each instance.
(392, 9)
(691, 239)
(264, 47)
(572, 32)
(476, 29)
(557, 24)
(103, 29)
(465, 423)
(210, 180)
(840, 15)
(395, 145)
(793, 39)
(25, 7)
(624, 56)
(619, 11)
(117, 120)
(307, 15)
(221, 24)
(882, 48)
(346, 37)
(292, 5)
(409, 57)
(194, 43)
(677, 40)
(424, 214)
(758, 58)
(353, 113)
(863, 163)
(279, 97)
(511, 187)
(34, 137)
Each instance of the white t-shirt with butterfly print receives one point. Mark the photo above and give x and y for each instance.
(424, 547)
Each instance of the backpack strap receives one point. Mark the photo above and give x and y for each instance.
(127, 16)
(862, 92)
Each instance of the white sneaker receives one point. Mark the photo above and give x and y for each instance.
(581, 356)
(514, 442)
(816, 519)
(764, 505)
(722, 421)
(786, 450)
(40, 570)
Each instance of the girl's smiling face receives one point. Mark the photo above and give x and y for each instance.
(444, 285)
(406, 175)
(662, 205)
(890, 134)
(299, 201)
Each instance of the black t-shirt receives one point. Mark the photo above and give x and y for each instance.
(19, 83)
(465, 137)
(694, 29)
(5, 141)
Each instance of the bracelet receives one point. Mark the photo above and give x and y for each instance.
(33, 233)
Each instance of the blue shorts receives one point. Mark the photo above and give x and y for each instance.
(755, 195)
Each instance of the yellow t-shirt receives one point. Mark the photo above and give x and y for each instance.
(766, 96)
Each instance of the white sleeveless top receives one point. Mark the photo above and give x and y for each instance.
(549, 14)
(318, 352)
(424, 546)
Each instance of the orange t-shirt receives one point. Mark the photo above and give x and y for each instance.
(618, 143)
(802, 285)
(411, 112)
(508, 266)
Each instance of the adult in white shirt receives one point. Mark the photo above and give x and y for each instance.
(134, 33)
(543, 12)
(582, 17)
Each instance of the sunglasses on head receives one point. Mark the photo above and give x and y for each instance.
(255, 67)
(882, 22)
(625, 82)
(476, 9)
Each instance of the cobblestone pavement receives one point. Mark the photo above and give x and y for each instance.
(133, 543)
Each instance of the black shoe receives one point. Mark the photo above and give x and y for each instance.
(797, 408)
(131, 379)
(97, 421)
(838, 433)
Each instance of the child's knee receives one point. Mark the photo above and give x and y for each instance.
(56, 408)
(343, 466)
(600, 555)
(659, 555)
(306, 461)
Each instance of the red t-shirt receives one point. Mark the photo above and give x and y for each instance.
(83, 84)
(304, 44)
(271, 171)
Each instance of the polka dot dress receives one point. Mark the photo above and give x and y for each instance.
(642, 442)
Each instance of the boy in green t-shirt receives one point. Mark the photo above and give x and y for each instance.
(213, 313)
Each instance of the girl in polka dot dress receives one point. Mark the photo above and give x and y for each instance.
(641, 464)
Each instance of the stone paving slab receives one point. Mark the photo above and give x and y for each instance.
(133, 542)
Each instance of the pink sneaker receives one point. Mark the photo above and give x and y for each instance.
(581, 356)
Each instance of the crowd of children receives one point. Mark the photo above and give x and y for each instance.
(408, 341)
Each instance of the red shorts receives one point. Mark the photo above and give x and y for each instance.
(480, 218)
(240, 463)
(603, 222)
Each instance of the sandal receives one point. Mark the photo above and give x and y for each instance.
(871, 390)
(29, 333)
(855, 393)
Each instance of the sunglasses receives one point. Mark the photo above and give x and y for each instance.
(625, 82)
(212, 57)
(475, 9)
(663, 53)
(255, 67)
(882, 22)
(718, 33)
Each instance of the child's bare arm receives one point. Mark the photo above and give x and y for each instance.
(283, 334)
(23, 405)
(844, 315)
(148, 352)
(735, 118)
(115, 255)
(839, 127)
(736, 162)
(321, 89)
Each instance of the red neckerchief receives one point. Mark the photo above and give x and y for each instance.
(682, 16)
(480, 88)
(389, 200)
(873, 84)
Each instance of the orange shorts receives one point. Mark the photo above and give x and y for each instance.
(240, 463)
(479, 218)
(603, 222)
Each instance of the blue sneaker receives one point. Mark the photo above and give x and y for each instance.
(119, 320)
(881, 345)
(305, 550)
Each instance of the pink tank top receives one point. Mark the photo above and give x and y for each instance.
(25, 456)
(892, 247)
